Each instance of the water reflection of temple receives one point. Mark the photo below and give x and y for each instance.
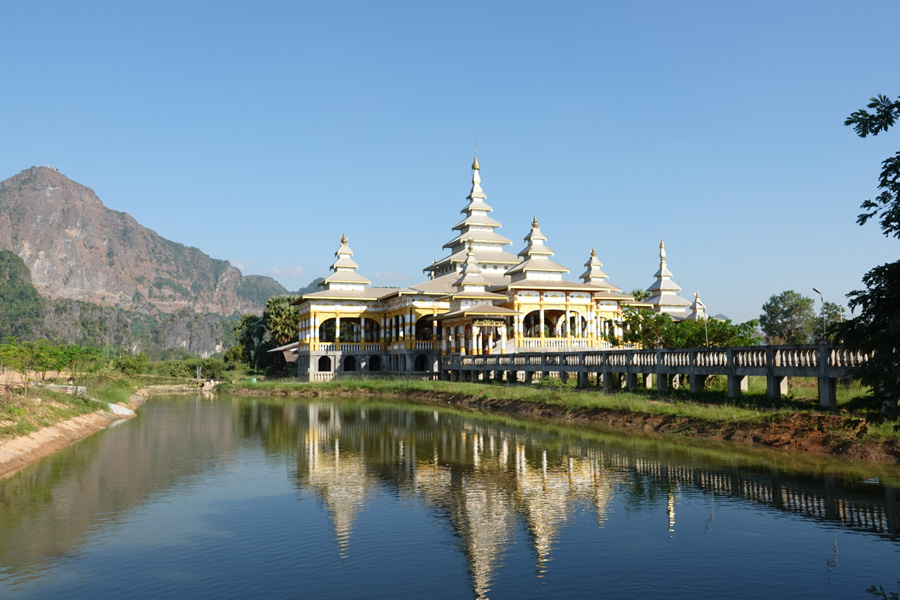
(490, 481)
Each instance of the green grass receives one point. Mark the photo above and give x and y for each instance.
(649, 402)
(713, 405)
(21, 415)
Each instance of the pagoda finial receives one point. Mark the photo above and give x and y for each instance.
(534, 222)
(343, 239)
(475, 166)
(593, 252)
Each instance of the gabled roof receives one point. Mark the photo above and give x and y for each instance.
(478, 236)
(485, 310)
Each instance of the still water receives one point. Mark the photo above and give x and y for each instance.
(238, 498)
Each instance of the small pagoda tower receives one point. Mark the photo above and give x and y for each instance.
(344, 276)
(477, 227)
(664, 292)
(595, 275)
(536, 263)
(698, 309)
(471, 279)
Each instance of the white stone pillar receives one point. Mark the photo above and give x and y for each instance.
(503, 339)
(541, 324)
(337, 330)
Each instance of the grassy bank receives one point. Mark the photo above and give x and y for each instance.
(25, 411)
(792, 422)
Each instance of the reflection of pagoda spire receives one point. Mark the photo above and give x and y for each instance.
(339, 480)
(670, 511)
(544, 496)
(487, 513)
(480, 505)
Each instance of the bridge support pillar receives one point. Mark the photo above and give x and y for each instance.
(776, 386)
(697, 382)
(582, 379)
(737, 384)
(828, 393)
(608, 382)
(631, 382)
(648, 381)
(529, 377)
(662, 383)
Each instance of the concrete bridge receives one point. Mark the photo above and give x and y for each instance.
(614, 367)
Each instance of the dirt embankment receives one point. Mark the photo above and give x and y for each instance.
(21, 451)
(835, 435)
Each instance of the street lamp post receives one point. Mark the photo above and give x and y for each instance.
(822, 298)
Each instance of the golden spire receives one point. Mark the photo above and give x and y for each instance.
(593, 253)
(343, 239)
(475, 166)
(534, 222)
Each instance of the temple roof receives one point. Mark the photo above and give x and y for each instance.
(344, 269)
(471, 228)
(486, 310)
(444, 283)
(476, 220)
(664, 292)
(535, 256)
(478, 236)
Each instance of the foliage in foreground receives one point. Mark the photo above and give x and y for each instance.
(876, 330)
(657, 330)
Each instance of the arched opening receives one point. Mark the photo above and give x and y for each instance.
(324, 364)
(577, 324)
(421, 363)
(531, 325)
(350, 330)
(371, 330)
(375, 363)
(350, 363)
(425, 329)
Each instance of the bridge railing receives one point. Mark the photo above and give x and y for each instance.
(776, 363)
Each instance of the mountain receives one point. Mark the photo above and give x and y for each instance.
(77, 249)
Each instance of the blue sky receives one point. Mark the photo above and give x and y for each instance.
(260, 132)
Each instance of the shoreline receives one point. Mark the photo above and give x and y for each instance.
(793, 432)
(823, 434)
(21, 451)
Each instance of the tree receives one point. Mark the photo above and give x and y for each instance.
(885, 206)
(831, 315)
(876, 330)
(639, 294)
(788, 318)
(650, 329)
(250, 332)
(282, 320)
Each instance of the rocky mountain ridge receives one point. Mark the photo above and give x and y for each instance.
(78, 249)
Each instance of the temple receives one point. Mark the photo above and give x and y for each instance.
(480, 299)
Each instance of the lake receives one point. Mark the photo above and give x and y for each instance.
(245, 498)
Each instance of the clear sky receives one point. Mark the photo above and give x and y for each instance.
(261, 131)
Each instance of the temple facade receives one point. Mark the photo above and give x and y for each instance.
(480, 299)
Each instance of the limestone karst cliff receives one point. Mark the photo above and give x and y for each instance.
(78, 249)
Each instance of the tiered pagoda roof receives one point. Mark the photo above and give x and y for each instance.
(536, 263)
(595, 274)
(664, 292)
(477, 227)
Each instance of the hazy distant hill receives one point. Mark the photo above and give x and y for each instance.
(77, 249)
